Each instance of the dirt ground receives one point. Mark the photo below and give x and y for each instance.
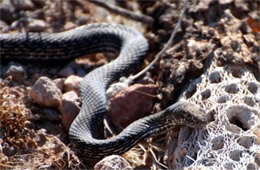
(29, 139)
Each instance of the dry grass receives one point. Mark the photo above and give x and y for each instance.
(22, 147)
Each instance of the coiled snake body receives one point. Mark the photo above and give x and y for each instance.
(132, 47)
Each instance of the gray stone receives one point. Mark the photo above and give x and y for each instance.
(36, 25)
(16, 71)
(7, 12)
(46, 93)
(113, 162)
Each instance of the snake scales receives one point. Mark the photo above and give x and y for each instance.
(132, 47)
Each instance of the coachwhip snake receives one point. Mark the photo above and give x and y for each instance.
(132, 47)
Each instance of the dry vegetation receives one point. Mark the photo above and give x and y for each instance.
(23, 147)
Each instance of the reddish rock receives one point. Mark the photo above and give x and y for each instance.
(72, 83)
(59, 83)
(132, 103)
(113, 162)
(70, 108)
(46, 93)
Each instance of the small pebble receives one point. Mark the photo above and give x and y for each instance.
(82, 20)
(36, 25)
(3, 25)
(16, 71)
(222, 2)
(113, 162)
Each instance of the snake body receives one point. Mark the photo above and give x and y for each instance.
(132, 47)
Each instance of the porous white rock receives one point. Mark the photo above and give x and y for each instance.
(231, 94)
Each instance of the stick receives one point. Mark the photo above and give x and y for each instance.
(168, 44)
(124, 12)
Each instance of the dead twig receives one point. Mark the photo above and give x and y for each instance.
(124, 12)
(168, 44)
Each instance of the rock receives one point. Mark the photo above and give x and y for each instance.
(69, 25)
(59, 82)
(72, 83)
(46, 93)
(23, 4)
(82, 20)
(16, 71)
(223, 2)
(7, 12)
(114, 88)
(257, 159)
(3, 25)
(128, 105)
(36, 25)
(252, 166)
(113, 162)
(70, 108)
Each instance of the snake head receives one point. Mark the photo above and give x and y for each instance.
(188, 114)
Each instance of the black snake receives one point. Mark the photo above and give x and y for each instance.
(132, 47)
